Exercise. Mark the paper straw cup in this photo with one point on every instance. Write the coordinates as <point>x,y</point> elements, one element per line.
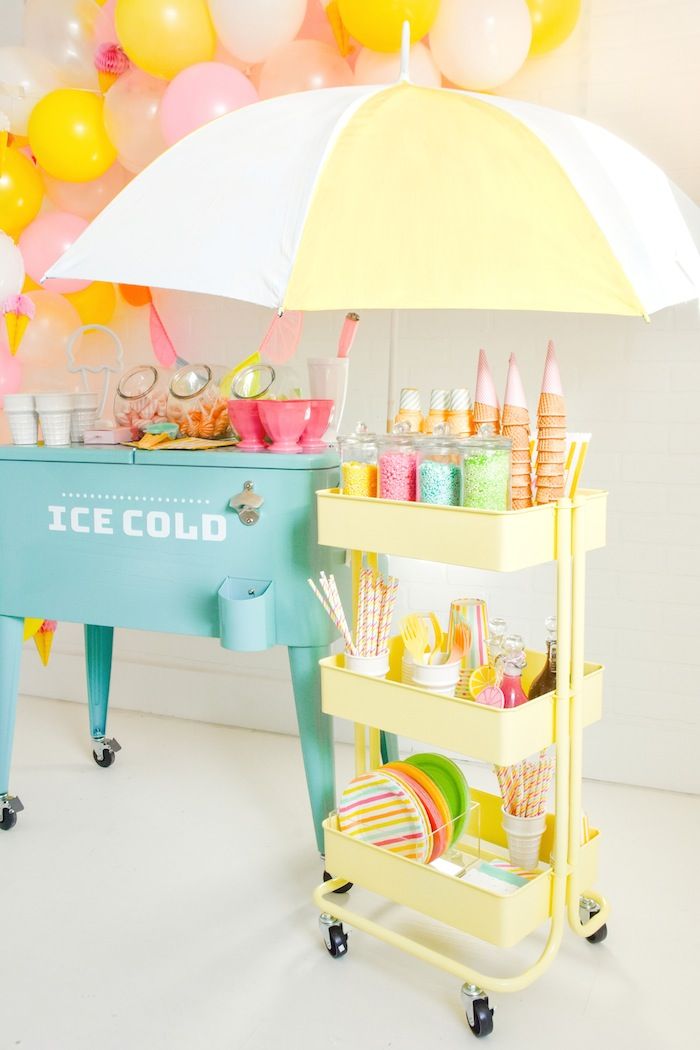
<point>55,414</point>
<point>438,678</point>
<point>524,835</point>
<point>373,666</point>
<point>84,414</point>
<point>21,415</point>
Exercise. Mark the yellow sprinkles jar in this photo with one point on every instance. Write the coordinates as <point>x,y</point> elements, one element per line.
<point>358,463</point>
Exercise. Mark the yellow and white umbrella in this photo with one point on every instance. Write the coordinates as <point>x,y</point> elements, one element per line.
<point>399,197</point>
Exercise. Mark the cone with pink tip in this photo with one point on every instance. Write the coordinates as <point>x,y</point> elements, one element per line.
<point>516,426</point>
<point>43,639</point>
<point>487,408</point>
<point>18,311</point>
<point>551,432</point>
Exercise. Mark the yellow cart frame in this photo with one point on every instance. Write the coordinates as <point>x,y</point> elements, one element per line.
<point>505,541</point>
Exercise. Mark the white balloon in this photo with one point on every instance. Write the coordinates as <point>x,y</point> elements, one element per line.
<point>252,31</point>
<point>25,77</point>
<point>63,32</point>
<point>131,117</point>
<point>378,67</point>
<point>11,267</point>
<point>480,44</point>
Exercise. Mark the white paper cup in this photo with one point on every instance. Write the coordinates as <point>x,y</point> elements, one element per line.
<point>438,678</point>
<point>524,836</point>
<point>373,666</point>
<point>55,411</point>
<point>84,415</point>
<point>21,415</point>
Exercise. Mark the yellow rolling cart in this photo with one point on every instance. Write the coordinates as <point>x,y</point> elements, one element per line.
<point>500,541</point>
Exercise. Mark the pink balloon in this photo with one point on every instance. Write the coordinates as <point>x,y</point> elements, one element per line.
<point>316,25</point>
<point>10,373</point>
<point>201,93</point>
<point>45,240</point>
<point>301,66</point>
<point>86,199</point>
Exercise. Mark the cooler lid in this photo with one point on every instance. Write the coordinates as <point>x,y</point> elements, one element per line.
<point>77,453</point>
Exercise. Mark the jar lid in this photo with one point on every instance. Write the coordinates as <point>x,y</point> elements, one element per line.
<point>137,382</point>
<point>253,382</point>
<point>486,437</point>
<point>360,437</point>
<point>190,381</point>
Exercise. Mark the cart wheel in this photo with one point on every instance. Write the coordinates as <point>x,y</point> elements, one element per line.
<point>341,889</point>
<point>483,1019</point>
<point>107,759</point>
<point>599,936</point>
<point>338,939</point>
<point>9,819</point>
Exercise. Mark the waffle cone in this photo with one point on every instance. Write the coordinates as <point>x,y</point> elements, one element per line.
<point>521,504</point>
<point>521,455</point>
<point>548,457</point>
<point>549,495</point>
<point>551,405</point>
<point>547,433</point>
<point>553,481</point>
<point>552,445</point>
<point>548,470</point>
<point>513,415</point>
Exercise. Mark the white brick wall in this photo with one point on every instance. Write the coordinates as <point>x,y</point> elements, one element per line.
<point>632,66</point>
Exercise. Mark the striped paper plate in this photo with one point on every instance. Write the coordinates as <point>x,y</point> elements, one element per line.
<point>378,809</point>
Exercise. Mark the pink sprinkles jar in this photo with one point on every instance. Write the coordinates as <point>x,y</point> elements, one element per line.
<point>398,462</point>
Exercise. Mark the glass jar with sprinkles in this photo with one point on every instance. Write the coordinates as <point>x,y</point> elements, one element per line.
<point>398,461</point>
<point>440,470</point>
<point>358,462</point>
<point>486,471</point>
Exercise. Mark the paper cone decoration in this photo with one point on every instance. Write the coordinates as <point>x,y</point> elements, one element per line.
<point>342,37</point>
<point>110,63</point>
<point>43,643</point>
<point>4,136</point>
<point>551,432</point>
<point>487,408</point>
<point>227,382</point>
<point>18,311</point>
<point>31,626</point>
<point>160,341</point>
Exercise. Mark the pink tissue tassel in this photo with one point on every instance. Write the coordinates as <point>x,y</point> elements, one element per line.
<point>347,334</point>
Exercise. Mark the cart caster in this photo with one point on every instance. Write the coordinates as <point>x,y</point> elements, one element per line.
<point>105,751</point>
<point>587,909</point>
<point>341,889</point>
<point>479,1013</point>
<point>334,936</point>
<point>10,806</point>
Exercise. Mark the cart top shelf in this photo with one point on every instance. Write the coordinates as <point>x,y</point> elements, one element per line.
<point>502,541</point>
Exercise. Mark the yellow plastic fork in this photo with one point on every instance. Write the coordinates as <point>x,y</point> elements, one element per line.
<point>415,637</point>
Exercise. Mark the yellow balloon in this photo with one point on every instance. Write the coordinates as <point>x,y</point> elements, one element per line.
<point>96,303</point>
<point>552,22</point>
<point>21,192</point>
<point>378,25</point>
<point>67,135</point>
<point>163,37</point>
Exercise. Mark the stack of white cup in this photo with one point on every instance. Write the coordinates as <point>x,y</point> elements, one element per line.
<point>55,411</point>
<point>21,414</point>
<point>84,414</point>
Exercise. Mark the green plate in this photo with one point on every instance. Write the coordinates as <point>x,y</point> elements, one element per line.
<point>450,779</point>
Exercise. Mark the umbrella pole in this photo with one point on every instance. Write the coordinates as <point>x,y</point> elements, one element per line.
<point>393,363</point>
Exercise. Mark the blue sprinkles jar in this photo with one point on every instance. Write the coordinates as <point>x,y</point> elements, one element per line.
<point>440,470</point>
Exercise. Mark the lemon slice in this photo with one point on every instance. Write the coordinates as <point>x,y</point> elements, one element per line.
<point>480,678</point>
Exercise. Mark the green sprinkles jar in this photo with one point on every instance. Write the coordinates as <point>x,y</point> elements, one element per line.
<point>486,471</point>
<point>440,472</point>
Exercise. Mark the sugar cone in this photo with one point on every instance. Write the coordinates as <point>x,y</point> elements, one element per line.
<point>43,641</point>
<point>16,326</point>
<point>106,80</point>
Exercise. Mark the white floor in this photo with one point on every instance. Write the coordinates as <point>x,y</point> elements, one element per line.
<point>164,903</point>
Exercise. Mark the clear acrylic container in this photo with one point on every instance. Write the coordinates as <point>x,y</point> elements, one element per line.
<point>358,462</point>
<point>486,471</point>
<point>141,397</point>
<point>440,471</point>
<point>398,465</point>
<point>196,403</point>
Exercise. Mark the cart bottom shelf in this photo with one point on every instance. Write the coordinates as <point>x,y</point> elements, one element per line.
<point>500,920</point>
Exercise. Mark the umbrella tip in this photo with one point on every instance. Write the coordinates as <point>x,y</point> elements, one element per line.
<point>405,52</point>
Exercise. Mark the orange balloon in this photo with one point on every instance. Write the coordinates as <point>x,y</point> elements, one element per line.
<point>136,294</point>
<point>96,303</point>
<point>30,285</point>
<point>21,192</point>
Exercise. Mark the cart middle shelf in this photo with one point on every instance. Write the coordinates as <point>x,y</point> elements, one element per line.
<point>464,726</point>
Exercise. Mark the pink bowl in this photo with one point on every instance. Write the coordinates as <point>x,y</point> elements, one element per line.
<point>321,409</point>
<point>245,419</point>
<point>284,422</point>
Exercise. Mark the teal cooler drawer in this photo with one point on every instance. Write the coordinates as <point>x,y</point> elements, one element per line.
<point>149,545</point>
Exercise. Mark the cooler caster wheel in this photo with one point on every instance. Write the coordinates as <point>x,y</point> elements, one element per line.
<point>599,936</point>
<point>9,808</point>
<point>334,936</point>
<point>341,889</point>
<point>105,752</point>
<point>479,1013</point>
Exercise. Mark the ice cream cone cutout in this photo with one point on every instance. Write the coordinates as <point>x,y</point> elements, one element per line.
<point>43,639</point>
<point>110,63</point>
<point>18,311</point>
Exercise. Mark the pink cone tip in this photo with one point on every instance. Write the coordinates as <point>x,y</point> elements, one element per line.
<point>515,391</point>
<point>21,305</point>
<point>110,58</point>
<point>551,380</point>
<point>485,387</point>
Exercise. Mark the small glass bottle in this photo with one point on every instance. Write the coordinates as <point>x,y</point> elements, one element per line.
<point>460,414</point>
<point>358,462</point>
<point>546,680</point>
<point>409,414</point>
<point>497,632</point>
<point>196,404</point>
<point>487,460</point>
<point>397,464</point>
<point>512,663</point>
<point>440,470</point>
<point>141,397</point>
<point>437,413</point>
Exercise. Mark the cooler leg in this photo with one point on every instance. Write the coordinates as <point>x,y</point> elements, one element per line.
<point>11,634</point>
<point>316,732</point>
<point>98,665</point>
